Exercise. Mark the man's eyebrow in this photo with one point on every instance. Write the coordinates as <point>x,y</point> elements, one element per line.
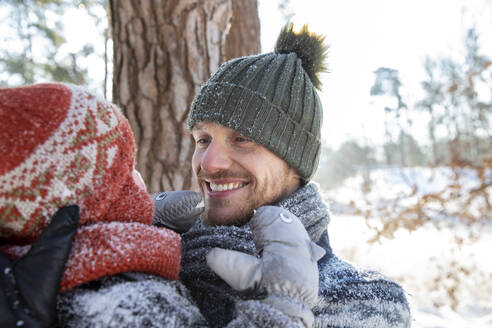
<point>199,127</point>
<point>237,134</point>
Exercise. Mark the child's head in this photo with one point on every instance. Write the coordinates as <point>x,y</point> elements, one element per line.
<point>60,145</point>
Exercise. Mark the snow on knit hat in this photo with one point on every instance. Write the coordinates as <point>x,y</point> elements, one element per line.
<point>61,145</point>
<point>271,98</point>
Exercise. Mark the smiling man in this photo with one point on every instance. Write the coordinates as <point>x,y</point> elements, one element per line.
<point>260,254</point>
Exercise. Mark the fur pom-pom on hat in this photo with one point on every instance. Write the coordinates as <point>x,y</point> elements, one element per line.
<point>308,46</point>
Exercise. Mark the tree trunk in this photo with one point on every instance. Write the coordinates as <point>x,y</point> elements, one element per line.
<point>163,52</point>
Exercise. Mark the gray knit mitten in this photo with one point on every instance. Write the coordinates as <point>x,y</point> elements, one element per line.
<point>287,269</point>
<point>176,210</point>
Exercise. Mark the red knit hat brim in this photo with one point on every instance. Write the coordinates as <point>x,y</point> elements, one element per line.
<point>104,249</point>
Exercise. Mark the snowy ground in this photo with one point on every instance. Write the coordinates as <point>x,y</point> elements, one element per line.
<point>436,272</point>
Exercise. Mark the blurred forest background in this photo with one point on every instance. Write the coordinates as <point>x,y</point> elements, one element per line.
<point>417,209</point>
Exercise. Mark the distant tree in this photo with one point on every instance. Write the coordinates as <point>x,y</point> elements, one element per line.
<point>432,98</point>
<point>387,83</point>
<point>415,155</point>
<point>163,52</point>
<point>458,98</point>
<point>477,92</point>
<point>33,31</point>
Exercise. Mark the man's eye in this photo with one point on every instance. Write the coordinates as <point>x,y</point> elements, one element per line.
<point>242,139</point>
<point>202,142</point>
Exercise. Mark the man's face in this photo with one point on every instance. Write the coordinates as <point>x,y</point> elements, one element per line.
<point>237,175</point>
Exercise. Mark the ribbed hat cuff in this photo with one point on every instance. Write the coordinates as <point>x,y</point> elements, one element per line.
<point>230,105</point>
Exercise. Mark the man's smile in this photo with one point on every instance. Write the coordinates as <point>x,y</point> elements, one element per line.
<point>216,188</point>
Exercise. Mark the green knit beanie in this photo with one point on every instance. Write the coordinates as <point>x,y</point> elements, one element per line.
<point>271,98</point>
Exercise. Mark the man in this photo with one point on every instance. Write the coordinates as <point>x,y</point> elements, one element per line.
<point>256,124</point>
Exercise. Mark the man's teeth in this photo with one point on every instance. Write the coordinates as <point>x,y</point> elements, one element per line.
<point>226,186</point>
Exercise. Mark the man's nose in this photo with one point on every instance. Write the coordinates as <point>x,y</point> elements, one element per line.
<point>216,158</point>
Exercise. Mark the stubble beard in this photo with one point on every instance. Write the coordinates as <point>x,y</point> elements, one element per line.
<point>242,212</point>
<point>240,216</point>
<point>244,209</point>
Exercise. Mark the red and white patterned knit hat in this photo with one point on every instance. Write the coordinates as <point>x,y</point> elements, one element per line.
<point>60,145</point>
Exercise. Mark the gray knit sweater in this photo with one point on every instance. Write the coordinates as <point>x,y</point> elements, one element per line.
<point>347,298</point>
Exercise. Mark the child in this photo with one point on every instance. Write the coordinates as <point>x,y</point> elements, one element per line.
<point>60,145</point>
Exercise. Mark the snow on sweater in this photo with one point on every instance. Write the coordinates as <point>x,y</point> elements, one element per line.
<point>347,298</point>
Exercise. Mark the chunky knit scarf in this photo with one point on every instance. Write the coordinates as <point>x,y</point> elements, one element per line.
<point>214,297</point>
<point>307,205</point>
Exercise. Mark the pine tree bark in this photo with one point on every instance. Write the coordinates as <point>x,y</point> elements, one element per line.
<point>163,52</point>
